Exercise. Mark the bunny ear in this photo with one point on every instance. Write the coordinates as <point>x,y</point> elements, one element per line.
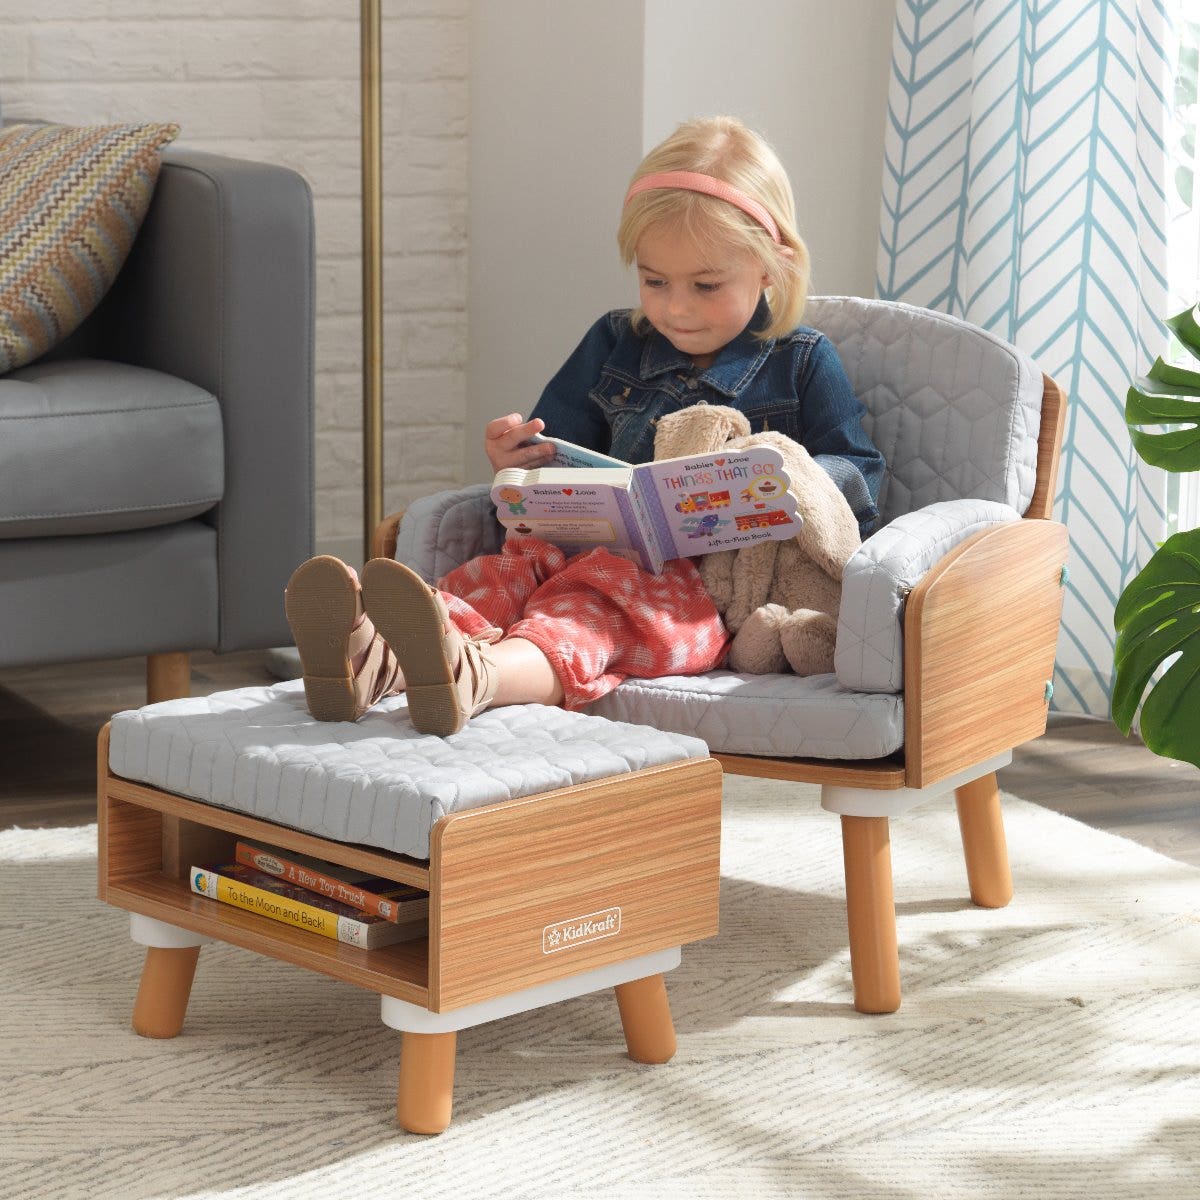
<point>700,429</point>
<point>735,423</point>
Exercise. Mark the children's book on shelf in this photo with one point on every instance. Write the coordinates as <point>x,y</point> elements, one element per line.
<point>653,512</point>
<point>371,894</point>
<point>269,896</point>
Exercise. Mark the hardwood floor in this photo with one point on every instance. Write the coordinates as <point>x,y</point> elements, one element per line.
<point>49,717</point>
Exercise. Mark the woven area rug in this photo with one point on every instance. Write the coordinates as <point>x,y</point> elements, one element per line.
<point>1049,1049</point>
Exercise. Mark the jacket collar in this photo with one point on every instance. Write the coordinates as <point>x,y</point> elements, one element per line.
<point>734,368</point>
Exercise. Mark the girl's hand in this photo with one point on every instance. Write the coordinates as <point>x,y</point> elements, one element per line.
<point>503,438</point>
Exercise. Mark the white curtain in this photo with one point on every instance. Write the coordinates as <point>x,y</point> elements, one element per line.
<point>1025,190</point>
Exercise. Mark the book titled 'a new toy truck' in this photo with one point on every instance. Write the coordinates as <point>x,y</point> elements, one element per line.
<point>653,512</point>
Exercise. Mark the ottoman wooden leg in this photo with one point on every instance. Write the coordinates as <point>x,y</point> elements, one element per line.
<point>426,1095</point>
<point>871,914</point>
<point>163,993</point>
<point>646,1019</point>
<point>984,844</point>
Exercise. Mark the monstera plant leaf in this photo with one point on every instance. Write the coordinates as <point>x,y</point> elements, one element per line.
<point>1158,617</point>
<point>1168,395</point>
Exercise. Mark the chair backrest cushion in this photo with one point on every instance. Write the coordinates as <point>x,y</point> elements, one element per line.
<point>954,410</point>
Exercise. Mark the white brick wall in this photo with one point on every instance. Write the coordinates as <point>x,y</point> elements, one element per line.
<point>277,80</point>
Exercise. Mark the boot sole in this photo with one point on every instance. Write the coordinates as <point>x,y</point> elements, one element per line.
<point>407,614</point>
<point>321,605</point>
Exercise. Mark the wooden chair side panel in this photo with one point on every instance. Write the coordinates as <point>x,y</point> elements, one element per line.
<point>980,633</point>
<point>526,892</point>
<point>383,540</point>
<point>1050,437</point>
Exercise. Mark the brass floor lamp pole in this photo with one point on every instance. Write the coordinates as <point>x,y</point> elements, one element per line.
<point>372,268</point>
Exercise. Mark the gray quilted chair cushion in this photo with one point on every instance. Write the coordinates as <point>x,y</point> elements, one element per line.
<point>956,413</point>
<point>955,410</point>
<point>445,530</point>
<point>869,654</point>
<point>778,715</point>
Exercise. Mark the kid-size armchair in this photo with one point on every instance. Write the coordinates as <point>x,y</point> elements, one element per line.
<point>948,621</point>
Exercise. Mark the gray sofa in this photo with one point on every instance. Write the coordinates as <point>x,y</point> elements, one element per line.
<point>156,470</point>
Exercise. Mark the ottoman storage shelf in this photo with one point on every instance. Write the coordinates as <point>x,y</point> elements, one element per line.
<point>532,897</point>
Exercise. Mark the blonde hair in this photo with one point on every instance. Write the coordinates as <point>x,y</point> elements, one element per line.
<point>727,150</point>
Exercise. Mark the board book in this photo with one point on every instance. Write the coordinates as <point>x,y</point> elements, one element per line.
<point>368,893</point>
<point>652,512</point>
<point>271,897</point>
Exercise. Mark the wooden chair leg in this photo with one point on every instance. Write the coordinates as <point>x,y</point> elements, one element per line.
<point>871,914</point>
<point>163,993</point>
<point>168,676</point>
<point>646,1019</point>
<point>426,1096</point>
<point>984,843</point>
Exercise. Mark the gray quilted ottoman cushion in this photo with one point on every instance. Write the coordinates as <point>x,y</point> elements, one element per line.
<point>375,781</point>
<point>781,716</point>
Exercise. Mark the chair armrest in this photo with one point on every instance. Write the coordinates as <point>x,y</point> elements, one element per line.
<point>869,652</point>
<point>218,290</point>
<point>440,532</point>
<point>980,632</point>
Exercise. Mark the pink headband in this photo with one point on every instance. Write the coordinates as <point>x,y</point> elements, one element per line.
<point>693,181</point>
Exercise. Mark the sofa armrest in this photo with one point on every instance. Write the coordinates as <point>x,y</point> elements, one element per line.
<point>980,634</point>
<point>440,532</point>
<point>869,652</point>
<point>218,290</point>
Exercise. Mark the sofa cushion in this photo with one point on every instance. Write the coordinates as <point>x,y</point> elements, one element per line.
<point>71,203</point>
<point>88,446</point>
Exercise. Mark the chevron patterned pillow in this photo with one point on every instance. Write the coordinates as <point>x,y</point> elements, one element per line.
<point>71,203</point>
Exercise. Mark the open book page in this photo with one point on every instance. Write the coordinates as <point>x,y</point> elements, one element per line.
<point>576,508</point>
<point>568,454</point>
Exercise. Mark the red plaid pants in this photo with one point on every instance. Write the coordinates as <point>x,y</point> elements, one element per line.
<point>598,618</point>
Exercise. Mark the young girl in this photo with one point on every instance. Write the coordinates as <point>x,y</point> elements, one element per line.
<point>709,221</point>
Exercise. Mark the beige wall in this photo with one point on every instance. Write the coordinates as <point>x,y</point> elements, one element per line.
<point>565,98</point>
<point>556,119</point>
<point>812,77</point>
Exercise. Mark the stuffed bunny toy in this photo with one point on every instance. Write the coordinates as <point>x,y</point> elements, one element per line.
<point>778,598</point>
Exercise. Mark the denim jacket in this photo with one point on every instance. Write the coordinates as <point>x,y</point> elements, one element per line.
<point>616,385</point>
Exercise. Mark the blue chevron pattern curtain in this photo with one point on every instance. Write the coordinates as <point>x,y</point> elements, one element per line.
<point>1025,191</point>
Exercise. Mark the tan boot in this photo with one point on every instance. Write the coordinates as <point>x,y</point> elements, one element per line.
<point>448,677</point>
<point>323,601</point>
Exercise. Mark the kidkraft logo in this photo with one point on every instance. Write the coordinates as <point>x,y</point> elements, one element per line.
<point>563,935</point>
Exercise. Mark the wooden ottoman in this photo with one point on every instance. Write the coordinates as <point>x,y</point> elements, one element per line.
<point>562,854</point>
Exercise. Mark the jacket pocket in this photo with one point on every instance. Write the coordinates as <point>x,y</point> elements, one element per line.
<point>630,411</point>
<point>781,413</point>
